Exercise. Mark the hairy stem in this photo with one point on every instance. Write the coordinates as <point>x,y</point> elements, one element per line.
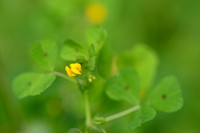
<point>87,109</point>
<point>123,113</point>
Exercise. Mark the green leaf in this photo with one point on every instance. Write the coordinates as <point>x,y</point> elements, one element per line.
<point>92,50</point>
<point>44,53</point>
<point>104,62</point>
<point>29,84</point>
<point>167,95</point>
<point>96,36</point>
<point>72,51</point>
<point>144,60</point>
<point>124,86</point>
<point>141,116</point>
<point>91,63</point>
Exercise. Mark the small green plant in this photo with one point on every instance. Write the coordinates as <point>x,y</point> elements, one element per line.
<point>129,79</point>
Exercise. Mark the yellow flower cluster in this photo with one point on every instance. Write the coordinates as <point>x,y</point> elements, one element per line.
<point>96,13</point>
<point>74,70</point>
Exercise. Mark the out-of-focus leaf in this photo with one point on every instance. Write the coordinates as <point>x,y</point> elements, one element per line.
<point>44,53</point>
<point>104,62</point>
<point>92,62</point>
<point>29,84</point>
<point>167,95</point>
<point>92,50</point>
<point>143,115</point>
<point>124,86</point>
<point>96,36</point>
<point>144,60</point>
<point>72,51</point>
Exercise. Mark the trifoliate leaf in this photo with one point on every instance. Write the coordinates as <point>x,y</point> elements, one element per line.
<point>29,84</point>
<point>167,95</point>
<point>143,115</point>
<point>96,36</point>
<point>44,53</point>
<point>124,86</point>
<point>144,60</point>
<point>72,51</point>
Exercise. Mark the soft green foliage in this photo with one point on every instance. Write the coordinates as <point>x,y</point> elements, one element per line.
<point>92,62</point>
<point>74,130</point>
<point>104,62</point>
<point>137,69</point>
<point>144,114</point>
<point>44,53</point>
<point>72,51</point>
<point>29,84</point>
<point>92,50</point>
<point>144,60</point>
<point>124,86</point>
<point>96,36</point>
<point>167,95</point>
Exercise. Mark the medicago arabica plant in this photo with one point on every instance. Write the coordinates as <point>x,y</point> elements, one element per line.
<point>130,82</point>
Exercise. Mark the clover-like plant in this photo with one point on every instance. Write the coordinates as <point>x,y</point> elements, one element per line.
<point>133,74</point>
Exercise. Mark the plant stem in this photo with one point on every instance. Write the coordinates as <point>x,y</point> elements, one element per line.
<point>123,113</point>
<point>87,109</point>
<point>63,76</point>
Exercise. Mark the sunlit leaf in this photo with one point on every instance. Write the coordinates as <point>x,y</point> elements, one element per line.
<point>44,53</point>
<point>167,95</point>
<point>143,115</point>
<point>29,84</point>
<point>72,51</point>
<point>144,60</point>
<point>96,36</point>
<point>124,86</point>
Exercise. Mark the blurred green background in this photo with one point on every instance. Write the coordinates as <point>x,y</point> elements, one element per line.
<point>170,27</point>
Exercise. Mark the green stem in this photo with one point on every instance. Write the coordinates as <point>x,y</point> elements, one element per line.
<point>87,109</point>
<point>63,76</point>
<point>123,113</point>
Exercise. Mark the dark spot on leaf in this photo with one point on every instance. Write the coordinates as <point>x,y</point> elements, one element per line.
<point>29,83</point>
<point>164,96</point>
<point>98,42</point>
<point>45,54</point>
<point>140,117</point>
<point>76,50</point>
<point>127,87</point>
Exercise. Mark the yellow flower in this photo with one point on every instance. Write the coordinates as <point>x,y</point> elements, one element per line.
<point>74,70</point>
<point>96,13</point>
